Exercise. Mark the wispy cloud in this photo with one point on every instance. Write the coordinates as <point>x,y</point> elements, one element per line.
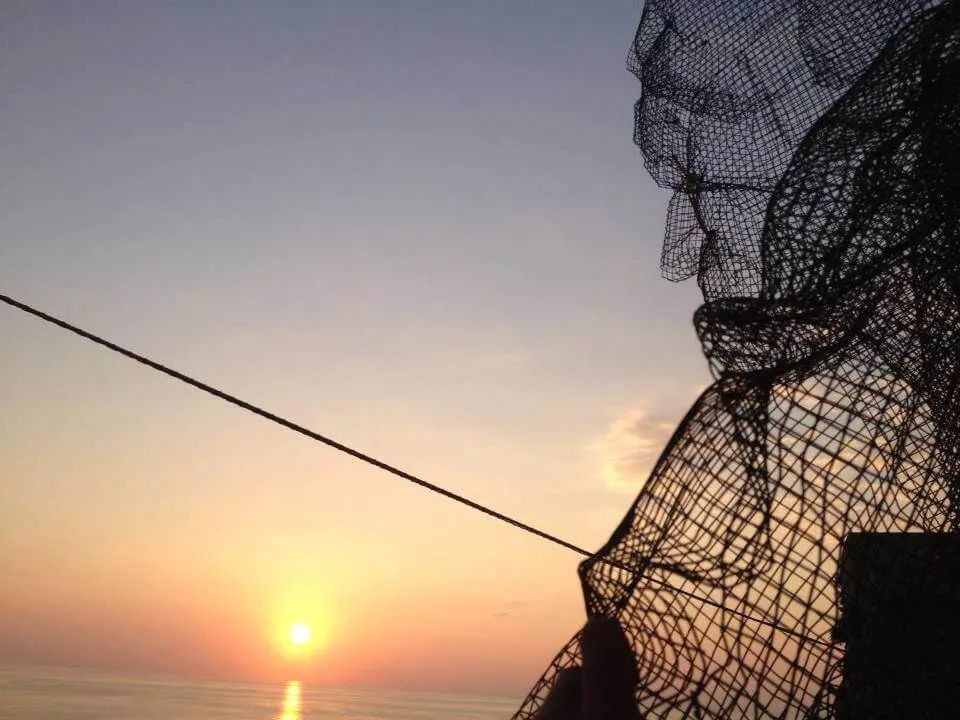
<point>511,607</point>
<point>630,447</point>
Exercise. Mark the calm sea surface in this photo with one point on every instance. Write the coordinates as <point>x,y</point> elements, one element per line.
<point>68,694</point>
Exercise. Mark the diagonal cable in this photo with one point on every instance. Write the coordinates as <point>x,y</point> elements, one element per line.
<point>369,459</point>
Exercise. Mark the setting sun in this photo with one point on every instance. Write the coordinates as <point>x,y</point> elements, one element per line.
<point>301,621</point>
<point>300,633</point>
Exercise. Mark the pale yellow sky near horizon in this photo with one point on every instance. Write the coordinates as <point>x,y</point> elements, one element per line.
<point>418,228</point>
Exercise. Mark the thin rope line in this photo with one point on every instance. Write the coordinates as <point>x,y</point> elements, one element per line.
<point>289,424</point>
<point>369,459</point>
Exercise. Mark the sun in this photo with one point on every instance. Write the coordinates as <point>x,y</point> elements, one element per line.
<point>300,628</point>
<point>300,634</point>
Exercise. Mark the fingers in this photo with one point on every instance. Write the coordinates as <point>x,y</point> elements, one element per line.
<point>603,689</point>
<point>563,702</point>
<point>609,674</point>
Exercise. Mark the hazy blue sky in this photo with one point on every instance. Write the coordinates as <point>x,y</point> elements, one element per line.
<point>420,227</point>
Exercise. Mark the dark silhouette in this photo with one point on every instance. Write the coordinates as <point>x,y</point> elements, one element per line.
<point>602,689</point>
<point>813,148</point>
<point>899,602</point>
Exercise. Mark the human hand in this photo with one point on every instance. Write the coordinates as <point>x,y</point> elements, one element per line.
<point>603,688</point>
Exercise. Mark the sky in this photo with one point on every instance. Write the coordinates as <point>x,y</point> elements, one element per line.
<point>418,227</point>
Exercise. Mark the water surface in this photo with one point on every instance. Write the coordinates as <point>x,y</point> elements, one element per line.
<point>73,694</point>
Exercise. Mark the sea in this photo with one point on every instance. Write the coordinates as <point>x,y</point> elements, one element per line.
<point>41,693</point>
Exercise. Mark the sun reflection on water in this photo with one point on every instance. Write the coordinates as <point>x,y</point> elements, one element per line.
<point>291,702</point>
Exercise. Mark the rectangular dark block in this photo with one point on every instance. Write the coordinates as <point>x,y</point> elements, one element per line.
<point>900,619</point>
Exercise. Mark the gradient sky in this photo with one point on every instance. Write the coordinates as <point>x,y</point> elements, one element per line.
<point>419,227</point>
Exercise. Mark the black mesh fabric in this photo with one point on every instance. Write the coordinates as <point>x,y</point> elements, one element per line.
<point>813,149</point>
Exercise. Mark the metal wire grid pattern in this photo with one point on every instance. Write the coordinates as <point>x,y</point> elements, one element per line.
<point>815,182</point>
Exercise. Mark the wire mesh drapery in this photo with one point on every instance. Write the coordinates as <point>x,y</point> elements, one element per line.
<point>813,150</point>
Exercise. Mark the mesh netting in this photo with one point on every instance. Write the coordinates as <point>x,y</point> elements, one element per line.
<point>813,149</point>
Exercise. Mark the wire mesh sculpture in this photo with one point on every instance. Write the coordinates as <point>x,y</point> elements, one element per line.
<point>813,148</point>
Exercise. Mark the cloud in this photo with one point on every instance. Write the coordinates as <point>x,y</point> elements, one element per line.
<point>510,607</point>
<point>628,450</point>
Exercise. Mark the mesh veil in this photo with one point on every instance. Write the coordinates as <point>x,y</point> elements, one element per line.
<point>813,149</point>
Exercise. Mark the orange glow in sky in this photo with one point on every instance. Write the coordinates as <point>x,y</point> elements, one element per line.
<point>426,233</point>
